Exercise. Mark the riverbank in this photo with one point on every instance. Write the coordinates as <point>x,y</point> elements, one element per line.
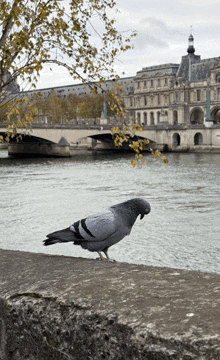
<point>61,307</point>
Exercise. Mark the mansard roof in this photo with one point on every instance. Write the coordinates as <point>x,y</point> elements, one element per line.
<point>185,67</point>
<point>164,69</point>
<point>202,70</point>
<point>192,68</point>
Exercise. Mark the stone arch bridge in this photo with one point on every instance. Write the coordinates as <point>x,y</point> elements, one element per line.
<point>62,140</point>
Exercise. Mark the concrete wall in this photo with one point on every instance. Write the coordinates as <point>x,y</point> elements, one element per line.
<point>56,307</point>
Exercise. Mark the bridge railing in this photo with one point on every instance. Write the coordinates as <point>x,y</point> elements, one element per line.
<point>110,126</point>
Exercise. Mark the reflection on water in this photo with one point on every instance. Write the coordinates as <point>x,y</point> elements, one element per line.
<point>39,196</point>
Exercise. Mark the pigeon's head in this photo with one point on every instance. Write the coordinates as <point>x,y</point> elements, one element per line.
<point>144,207</point>
<point>138,206</point>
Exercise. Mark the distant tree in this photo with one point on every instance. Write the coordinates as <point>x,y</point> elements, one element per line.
<point>71,108</point>
<point>54,107</point>
<point>91,106</point>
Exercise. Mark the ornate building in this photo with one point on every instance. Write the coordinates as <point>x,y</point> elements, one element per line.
<point>177,93</point>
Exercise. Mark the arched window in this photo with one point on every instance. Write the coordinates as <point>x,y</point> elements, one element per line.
<point>197,116</point>
<point>158,117</point>
<point>215,115</point>
<point>145,118</point>
<point>152,118</point>
<point>139,118</point>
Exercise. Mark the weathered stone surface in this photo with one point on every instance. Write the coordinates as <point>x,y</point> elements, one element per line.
<point>56,307</point>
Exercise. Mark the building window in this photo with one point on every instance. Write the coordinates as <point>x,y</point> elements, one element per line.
<point>166,81</point>
<point>158,82</point>
<point>165,99</point>
<point>218,93</point>
<point>158,117</point>
<point>198,95</point>
<point>139,118</point>
<point>152,118</point>
<point>145,118</point>
<point>177,97</point>
<point>138,84</point>
<point>145,100</point>
<point>175,117</point>
<point>158,99</point>
<point>131,102</point>
<point>145,83</point>
<point>151,83</point>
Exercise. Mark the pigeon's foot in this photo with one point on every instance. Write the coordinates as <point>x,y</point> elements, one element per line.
<point>102,258</point>
<point>105,259</point>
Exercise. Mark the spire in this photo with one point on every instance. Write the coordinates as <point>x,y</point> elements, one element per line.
<point>191,48</point>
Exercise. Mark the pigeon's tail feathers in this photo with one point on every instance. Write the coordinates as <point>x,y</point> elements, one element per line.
<point>60,236</point>
<point>51,241</point>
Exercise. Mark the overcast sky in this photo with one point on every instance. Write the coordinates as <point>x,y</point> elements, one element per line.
<point>163,29</point>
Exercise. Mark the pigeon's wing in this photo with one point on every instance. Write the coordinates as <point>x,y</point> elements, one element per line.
<point>95,228</point>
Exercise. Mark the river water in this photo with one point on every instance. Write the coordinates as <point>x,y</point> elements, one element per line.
<point>39,196</point>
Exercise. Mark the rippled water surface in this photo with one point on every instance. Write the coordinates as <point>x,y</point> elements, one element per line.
<point>39,196</point>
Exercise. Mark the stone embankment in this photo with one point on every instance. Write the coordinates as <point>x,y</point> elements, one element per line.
<point>56,307</point>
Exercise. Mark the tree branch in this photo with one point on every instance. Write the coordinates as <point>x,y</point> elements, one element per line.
<point>8,25</point>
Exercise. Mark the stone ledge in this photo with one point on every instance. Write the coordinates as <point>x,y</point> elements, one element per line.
<point>56,307</point>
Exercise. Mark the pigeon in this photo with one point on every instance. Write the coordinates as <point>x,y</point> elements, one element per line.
<point>100,231</point>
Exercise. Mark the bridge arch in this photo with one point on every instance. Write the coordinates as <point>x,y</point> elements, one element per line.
<point>109,140</point>
<point>24,145</point>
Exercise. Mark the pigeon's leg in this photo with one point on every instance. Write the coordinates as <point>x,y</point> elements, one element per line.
<point>106,254</point>
<point>101,257</point>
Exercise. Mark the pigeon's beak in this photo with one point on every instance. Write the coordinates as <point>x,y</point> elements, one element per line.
<point>145,213</point>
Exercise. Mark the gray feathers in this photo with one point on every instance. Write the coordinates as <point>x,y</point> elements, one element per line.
<point>100,231</point>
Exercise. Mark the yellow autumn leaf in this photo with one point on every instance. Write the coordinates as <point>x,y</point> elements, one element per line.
<point>165,160</point>
<point>134,162</point>
<point>157,153</point>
